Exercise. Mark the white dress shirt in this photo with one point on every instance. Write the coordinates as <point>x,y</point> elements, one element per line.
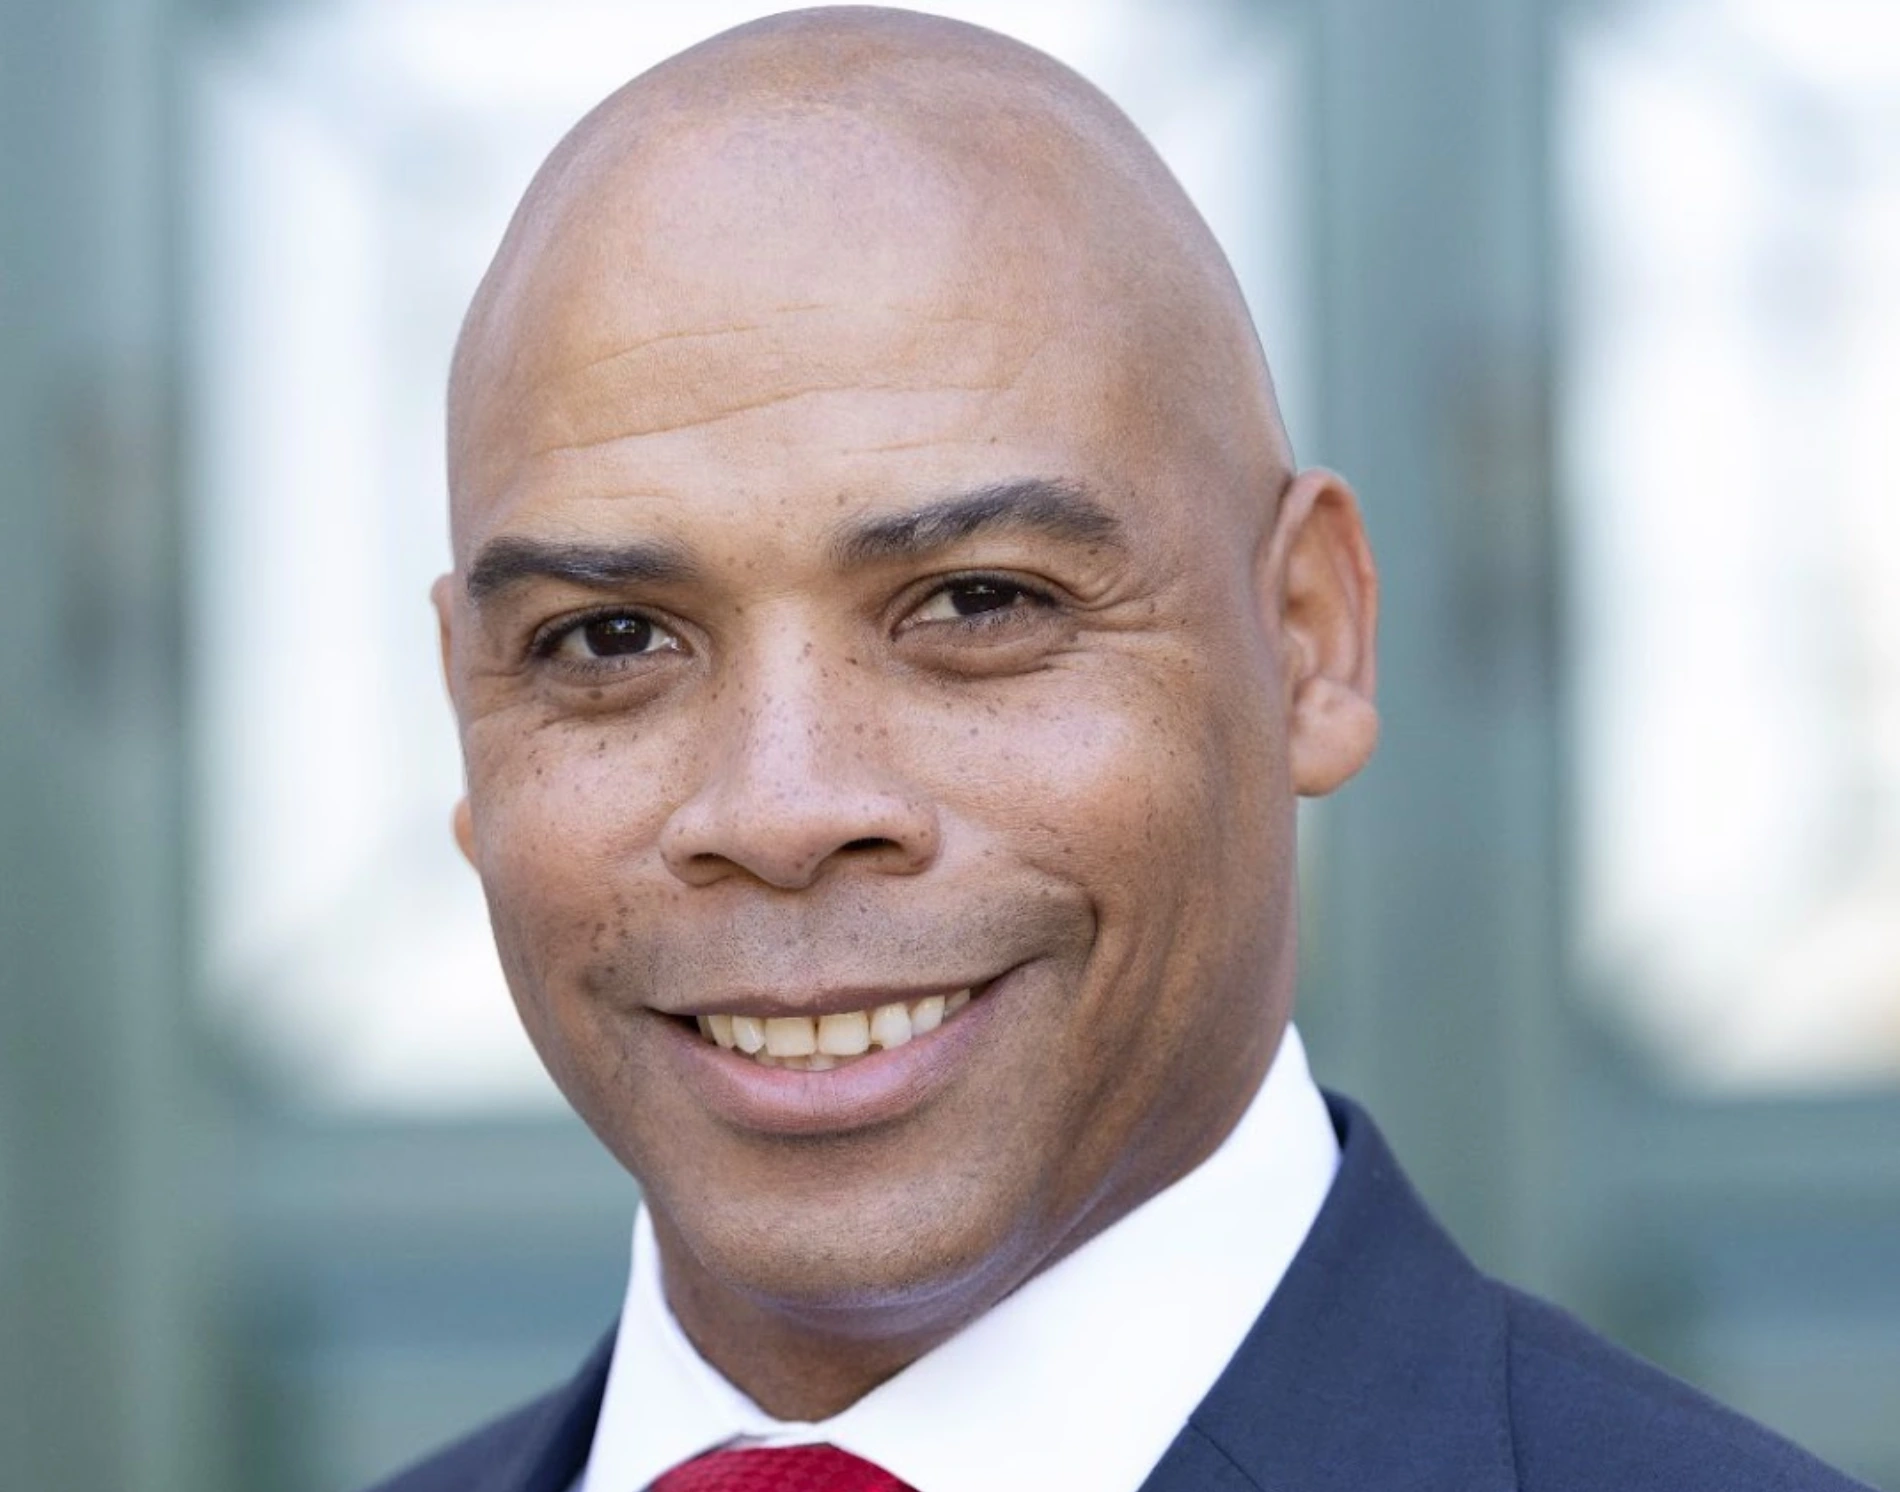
<point>1082,1378</point>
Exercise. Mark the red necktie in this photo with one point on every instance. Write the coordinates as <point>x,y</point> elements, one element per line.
<point>790,1468</point>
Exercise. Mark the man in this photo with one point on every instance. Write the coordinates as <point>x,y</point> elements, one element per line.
<point>889,635</point>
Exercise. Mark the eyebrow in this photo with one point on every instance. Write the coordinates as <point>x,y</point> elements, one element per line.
<point>504,563</point>
<point>1061,509</point>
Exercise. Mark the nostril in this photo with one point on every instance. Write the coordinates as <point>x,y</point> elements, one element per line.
<point>786,839</point>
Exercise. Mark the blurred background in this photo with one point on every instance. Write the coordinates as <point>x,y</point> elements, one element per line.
<point>1596,301</point>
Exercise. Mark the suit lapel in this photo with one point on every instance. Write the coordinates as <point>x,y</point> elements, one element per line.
<point>1380,1361</point>
<point>554,1447</point>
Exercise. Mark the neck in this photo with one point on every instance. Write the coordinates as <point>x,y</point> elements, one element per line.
<point>799,1364</point>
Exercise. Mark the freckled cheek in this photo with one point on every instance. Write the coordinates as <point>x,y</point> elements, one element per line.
<point>602,786</point>
<point>566,819</point>
<point>1108,787</point>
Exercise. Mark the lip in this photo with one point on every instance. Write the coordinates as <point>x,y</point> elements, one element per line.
<point>870,1090</point>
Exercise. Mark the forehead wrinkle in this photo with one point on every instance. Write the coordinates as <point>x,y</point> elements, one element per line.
<point>675,380</point>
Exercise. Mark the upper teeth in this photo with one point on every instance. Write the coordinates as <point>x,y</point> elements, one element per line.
<point>819,1042</point>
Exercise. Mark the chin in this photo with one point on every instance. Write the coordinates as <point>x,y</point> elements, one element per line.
<point>886,1259</point>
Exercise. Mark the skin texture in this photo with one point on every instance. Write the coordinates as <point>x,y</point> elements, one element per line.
<point>764,307</point>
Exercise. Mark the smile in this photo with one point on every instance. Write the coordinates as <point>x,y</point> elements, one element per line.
<point>818,1043</point>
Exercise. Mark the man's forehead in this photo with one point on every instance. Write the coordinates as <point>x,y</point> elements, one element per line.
<point>795,458</point>
<point>706,247</point>
<point>711,289</point>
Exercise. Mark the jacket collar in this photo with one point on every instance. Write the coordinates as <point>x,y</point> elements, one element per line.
<point>559,1429</point>
<point>1380,1361</point>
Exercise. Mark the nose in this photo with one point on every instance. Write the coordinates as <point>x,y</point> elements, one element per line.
<point>793,787</point>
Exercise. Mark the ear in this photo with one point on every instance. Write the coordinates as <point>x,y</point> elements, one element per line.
<point>1322,591</point>
<point>442,597</point>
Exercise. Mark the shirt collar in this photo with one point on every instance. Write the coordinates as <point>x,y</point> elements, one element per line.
<point>1081,1378</point>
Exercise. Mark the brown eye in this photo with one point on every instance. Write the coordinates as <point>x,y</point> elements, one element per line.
<point>621,634</point>
<point>977,596</point>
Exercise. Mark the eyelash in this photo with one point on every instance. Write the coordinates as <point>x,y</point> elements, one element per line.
<point>546,642</point>
<point>1034,595</point>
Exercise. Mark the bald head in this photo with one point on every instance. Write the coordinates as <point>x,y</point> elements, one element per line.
<point>851,164</point>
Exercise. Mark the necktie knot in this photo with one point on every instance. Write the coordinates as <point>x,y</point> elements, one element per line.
<point>790,1468</point>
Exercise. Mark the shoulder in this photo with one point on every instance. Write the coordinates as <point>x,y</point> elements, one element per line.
<point>539,1447</point>
<point>460,1466</point>
<point>1386,1358</point>
<point>1586,1414</point>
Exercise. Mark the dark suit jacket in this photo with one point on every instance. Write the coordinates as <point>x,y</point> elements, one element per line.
<point>1385,1361</point>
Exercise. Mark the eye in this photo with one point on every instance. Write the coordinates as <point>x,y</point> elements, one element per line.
<point>605,635</point>
<point>976,596</point>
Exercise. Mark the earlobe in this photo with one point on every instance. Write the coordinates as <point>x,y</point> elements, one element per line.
<point>462,823</point>
<point>1334,731</point>
<point>1326,592</point>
